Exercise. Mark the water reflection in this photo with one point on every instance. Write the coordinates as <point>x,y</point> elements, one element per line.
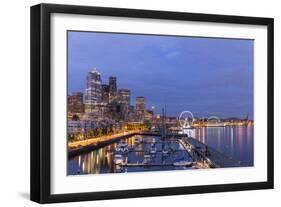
<point>234,141</point>
<point>102,160</point>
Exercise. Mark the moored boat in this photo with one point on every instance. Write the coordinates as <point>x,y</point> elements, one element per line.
<point>146,159</point>
<point>137,140</point>
<point>118,159</point>
<point>165,152</point>
<point>153,150</point>
<point>182,163</point>
<point>122,147</point>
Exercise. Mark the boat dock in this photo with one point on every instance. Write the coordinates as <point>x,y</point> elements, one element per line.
<point>141,164</point>
<point>148,152</point>
<point>201,152</point>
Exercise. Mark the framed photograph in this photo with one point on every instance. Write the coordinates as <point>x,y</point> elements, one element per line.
<point>132,103</point>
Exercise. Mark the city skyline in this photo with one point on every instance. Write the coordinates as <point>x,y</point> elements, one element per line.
<point>223,92</point>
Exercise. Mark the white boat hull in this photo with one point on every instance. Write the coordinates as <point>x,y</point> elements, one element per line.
<point>182,164</point>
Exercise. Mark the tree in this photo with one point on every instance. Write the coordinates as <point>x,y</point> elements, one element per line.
<point>75,117</point>
<point>99,132</point>
<point>91,133</point>
<point>108,130</point>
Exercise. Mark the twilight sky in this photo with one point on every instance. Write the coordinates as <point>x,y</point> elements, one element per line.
<point>208,76</point>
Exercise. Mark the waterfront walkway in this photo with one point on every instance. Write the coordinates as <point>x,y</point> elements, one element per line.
<point>83,146</point>
<point>98,140</point>
<point>200,151</point>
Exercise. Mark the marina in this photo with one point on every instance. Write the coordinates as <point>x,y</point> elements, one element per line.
<point>139,153</point>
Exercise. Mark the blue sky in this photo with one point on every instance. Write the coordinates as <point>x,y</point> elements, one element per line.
<point>208,76</point>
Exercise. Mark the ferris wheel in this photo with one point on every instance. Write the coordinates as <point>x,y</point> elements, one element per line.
<point>186,119</point>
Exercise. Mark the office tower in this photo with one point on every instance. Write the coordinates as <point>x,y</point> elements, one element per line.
<point>112,88</point>
<point>93,91</point>
<point>105,93</point>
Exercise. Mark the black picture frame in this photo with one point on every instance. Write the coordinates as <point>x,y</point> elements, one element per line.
<point>41,97</point>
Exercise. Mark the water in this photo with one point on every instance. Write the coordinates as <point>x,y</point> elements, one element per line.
<point>101,160</point>
<point>236,142</point>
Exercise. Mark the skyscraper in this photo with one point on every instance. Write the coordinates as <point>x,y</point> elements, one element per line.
<point>105,93</point>
<point>93,91</point>
<point>124,97</point>
<point>112,88</point>
<point>140,108</point>
<point>140,104</point>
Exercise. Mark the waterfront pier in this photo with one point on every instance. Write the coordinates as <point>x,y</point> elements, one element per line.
<point>201,152</point>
